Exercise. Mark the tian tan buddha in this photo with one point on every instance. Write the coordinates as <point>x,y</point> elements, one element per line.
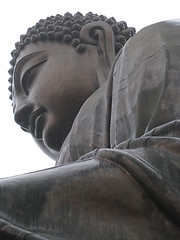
<point>104,103</point>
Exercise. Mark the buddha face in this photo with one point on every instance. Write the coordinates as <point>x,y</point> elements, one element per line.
<point>50,84</point>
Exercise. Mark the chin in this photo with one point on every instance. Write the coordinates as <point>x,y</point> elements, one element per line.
<point>49,152</point>
<point>52,138</point>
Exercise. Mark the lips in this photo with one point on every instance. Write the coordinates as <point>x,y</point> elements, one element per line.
<point>36,122</point>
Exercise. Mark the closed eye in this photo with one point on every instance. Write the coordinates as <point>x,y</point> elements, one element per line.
<point>29,75</point>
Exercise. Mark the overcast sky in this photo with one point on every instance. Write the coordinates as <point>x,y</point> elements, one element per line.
<point>19,154</point>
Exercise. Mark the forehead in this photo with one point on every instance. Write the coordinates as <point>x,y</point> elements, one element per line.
<point>47,48</point>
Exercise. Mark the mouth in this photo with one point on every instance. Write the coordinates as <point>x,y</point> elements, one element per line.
<point>36,122</point>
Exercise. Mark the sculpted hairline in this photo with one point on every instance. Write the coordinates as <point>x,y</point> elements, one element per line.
<point>67,29</point>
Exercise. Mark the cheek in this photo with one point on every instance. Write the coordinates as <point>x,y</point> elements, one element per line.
<point>41,96</point>
<point>44,87</point>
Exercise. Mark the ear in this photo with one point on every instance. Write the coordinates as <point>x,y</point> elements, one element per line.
<point>100,34</point>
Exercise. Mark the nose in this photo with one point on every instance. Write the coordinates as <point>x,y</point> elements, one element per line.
<point>22,114</point>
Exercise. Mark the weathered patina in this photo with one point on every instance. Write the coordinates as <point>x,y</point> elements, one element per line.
<point>109,114</point>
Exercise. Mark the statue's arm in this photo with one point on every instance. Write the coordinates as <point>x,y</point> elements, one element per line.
<point>94,197</point>
<point>70,198</point>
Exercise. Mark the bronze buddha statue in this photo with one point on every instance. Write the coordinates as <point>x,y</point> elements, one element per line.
<point>104,103</point>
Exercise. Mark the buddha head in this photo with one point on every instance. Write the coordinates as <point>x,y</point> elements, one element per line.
<point>56,66</point>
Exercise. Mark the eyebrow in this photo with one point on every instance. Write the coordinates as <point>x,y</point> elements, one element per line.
<point>28,71</point>
<point>27,57</point>
<point>24,60</point>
